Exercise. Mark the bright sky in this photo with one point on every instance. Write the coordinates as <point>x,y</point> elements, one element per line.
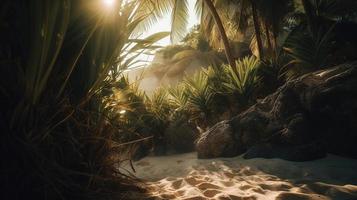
<point>165,25</point>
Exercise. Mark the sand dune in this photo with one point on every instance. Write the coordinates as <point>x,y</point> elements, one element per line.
<point>185,177</point>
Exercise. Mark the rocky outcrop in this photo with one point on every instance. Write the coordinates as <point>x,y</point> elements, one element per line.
<point>218,141</point>
<point>303,120</point>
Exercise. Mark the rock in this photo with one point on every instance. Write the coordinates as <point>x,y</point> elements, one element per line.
<point>180,136</point>
<point>217,142</point>
<point>317,108</point>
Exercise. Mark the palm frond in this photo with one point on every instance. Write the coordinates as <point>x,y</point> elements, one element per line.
<point>179,20</point>
<point>152,10</point>
<point>200,95</point>
<point>335,9</point>
<point>159,104</point>
<point>246,81</point>
<point>178,96</point>
<point>308,53</point>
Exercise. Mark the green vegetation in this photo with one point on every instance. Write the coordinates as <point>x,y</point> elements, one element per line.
<point>291,45</point>
<point>70,117</point>
<point>60,67</point>
<point>173,116</point>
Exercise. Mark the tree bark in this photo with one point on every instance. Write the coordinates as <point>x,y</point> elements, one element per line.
<point>268,38</point>
<point>257,30</point>
<point>275,42</point>
<point>311,15</point>
<point>223,34</point>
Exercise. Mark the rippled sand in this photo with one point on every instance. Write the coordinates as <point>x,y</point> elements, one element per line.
<point>185,177</point>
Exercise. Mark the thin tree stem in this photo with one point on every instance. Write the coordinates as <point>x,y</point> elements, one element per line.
<point>268,38</point>
<point>223,34</point>
<point>311,15</point>
<point>257,31</point>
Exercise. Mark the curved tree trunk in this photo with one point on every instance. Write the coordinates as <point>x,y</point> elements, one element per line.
<point>275,42</point>
<point>223,34</point>
<point>257,30</point>
<point>311,15</point>
<point>268,39</point>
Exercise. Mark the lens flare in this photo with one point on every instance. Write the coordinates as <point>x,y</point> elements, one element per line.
<point>109,3</point>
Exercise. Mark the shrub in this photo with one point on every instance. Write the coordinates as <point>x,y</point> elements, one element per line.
<point>200,98</point>
<point>57,119</point>
<point>243,85</point>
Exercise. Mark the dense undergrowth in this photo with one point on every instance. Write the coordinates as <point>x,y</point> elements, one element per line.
<point>69,117</point>
<point>173,115</point>
<point>59,60</point>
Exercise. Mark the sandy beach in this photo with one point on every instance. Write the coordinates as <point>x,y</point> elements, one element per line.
<point>185,177</point>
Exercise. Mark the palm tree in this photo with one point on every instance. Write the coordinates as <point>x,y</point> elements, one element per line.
<point>223,34</point>
<point>310,13</point>
<point>179,9</point>
<point>257,29</point>
<point>244,11</point>
<point>313,42</point>
<point>241,12</point>
<point>327,9</point>
<point>272,13</point>
<point>267,17</point>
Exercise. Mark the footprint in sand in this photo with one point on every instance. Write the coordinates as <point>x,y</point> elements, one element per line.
<point>167,196</point>
<point>177,184</point>
<point>233,197</point>
<point>227,183</point>
<point>205,186</point>
<point>245,187</point>
<point>196,198</point>
<point>193,181</point>
<point>229,174</point>
<point>297,196</point>
<point>258,190</point>
<point>211,193</point>
<point>224,198</point>
<point>276,186</point>
<point>180,193</point>
<point>207,179</point>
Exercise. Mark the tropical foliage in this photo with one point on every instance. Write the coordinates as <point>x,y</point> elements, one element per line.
<point>283,37</point>
<point>60,69</point>
<point>243,84</point>
<point>69,116</point>
<point>314,39</point>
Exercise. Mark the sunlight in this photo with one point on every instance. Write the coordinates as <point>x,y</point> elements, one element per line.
<point>109,3</point>
<point>164,24</point>
<point>178,99</point>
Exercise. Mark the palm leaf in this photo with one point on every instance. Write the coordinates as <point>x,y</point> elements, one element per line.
<point>245,82</point>
<point>179,20</point>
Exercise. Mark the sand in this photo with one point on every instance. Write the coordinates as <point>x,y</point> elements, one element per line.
<point>185,177</point>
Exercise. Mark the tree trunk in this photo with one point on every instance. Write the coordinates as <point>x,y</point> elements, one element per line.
<point>223,34</point>
<point>268,38</point>
<point>257,30</point>
<point>311,15</point>
<point>275,42</point>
